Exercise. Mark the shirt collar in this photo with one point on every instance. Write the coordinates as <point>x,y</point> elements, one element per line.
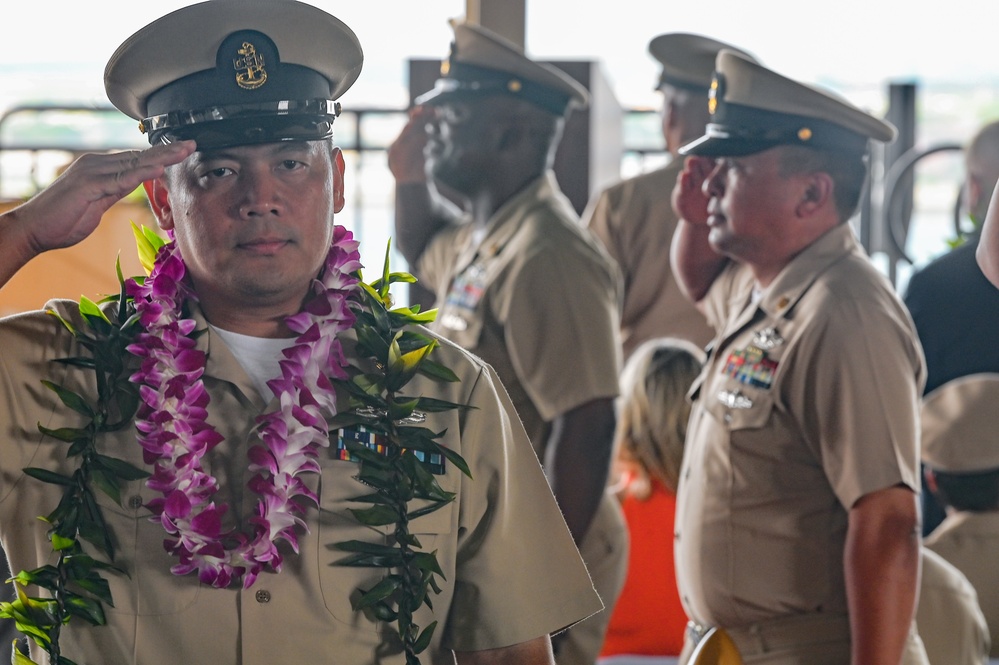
<point>802,271</point>
<point>220,363</point>
<point>506,220</point>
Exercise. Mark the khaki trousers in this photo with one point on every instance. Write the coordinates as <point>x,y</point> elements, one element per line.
<point>605,551</point>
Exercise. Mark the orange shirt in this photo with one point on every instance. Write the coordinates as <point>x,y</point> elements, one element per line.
<point>648,618</point>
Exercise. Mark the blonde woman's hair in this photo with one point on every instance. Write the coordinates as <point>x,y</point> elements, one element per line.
<point>652,414</point>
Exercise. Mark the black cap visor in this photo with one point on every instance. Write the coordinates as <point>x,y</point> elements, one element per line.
<point>464,80</point>
<point>741,130</point>
<point>719,142</point>
<point>246,124</point>
<point>445,90</point>
<point>668,79</point>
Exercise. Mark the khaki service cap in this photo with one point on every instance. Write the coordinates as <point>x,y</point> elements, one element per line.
<point>754,109</point>
<point>483,63</point>
<point>688,60</point>
<point>960,425</point>
<point>233,72</point>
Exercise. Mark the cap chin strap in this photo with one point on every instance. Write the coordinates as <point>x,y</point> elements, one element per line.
<point>467,79</point>
<point>742,130</point>
<point>260,122</point>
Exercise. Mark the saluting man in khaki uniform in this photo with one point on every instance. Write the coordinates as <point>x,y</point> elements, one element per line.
<point>634,219</point>
<point>239,98</point>
<point>797,515</point>
<point>518,281</point>
<point>961,458</point>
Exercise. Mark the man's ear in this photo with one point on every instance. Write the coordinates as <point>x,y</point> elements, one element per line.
<point>816,194</point>
<point>159,201</point>
<point>671,114</point>
<point>338,180</point>
<point>973,190</point>
<point>672,131</point>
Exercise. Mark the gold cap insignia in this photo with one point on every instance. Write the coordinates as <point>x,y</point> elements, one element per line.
<point>715,92</point>
<point>249,66</point>
<point>452,54</point>
<point>514,85</point>
<point>804,134</point>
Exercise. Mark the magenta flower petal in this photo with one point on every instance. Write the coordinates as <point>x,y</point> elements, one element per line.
<point>207,523</point>
<point>178,505</point>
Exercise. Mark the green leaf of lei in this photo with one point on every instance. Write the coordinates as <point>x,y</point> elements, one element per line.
<point>398,353</point>
<point>384,342</point>
<point>148,243</point>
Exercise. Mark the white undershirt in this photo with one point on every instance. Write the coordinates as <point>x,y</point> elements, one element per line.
<point>260,357</point>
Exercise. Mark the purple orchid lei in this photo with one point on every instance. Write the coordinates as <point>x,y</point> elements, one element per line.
<point>175,435</point>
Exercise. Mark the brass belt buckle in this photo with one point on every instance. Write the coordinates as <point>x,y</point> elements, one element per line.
<point>714,648</point>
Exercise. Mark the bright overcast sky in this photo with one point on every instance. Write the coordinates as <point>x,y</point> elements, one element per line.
<point>860,42</point>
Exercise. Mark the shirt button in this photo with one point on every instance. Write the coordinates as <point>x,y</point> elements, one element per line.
<point>135,502</point>
<point>263,596</point>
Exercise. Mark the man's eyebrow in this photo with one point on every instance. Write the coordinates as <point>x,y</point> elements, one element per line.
<point>214,154</point>
<point>291,146</point>
<point>234,153</point>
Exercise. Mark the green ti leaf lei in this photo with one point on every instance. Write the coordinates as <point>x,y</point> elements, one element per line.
<point>398,353</point>
<point>390,345</point>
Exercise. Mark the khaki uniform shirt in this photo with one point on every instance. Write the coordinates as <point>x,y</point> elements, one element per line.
<point>950,622</point>
<point>808,401</point>
<point>536,298</point>
<point>970,541</point>
<point>501,586</point>
<point>635,222</point>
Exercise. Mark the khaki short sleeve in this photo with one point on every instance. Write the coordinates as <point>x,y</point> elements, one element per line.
<point>562,330</point>
<point>602,219</point>
<point>519,575</point>
<point>635,222</point>
<point>858,389</point>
